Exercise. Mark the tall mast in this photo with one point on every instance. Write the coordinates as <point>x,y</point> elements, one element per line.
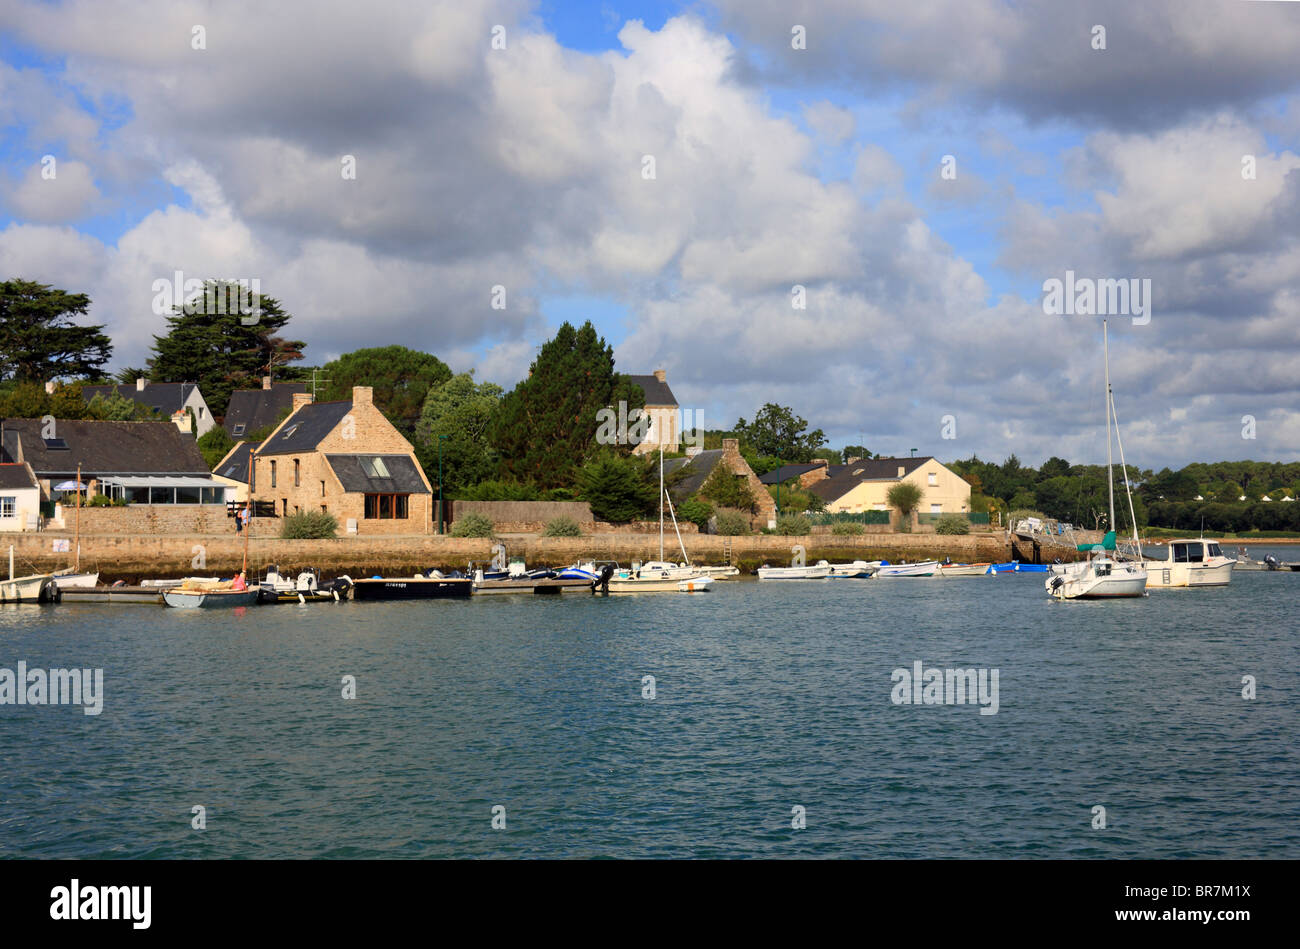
<point>1110,470</point>
<point>248,528</point>
<point>661,503</point>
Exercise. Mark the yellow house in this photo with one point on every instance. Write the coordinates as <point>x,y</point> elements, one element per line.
<point>863,485</point>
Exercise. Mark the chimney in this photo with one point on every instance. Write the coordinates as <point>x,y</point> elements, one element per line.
<point>363,395</point>
<point>851,459</point>
<point>661,375</point>
<point>266,382</point>
<point>902,472</point>
<point>730,447</point>
<point>300,399</point>
<point>819,461</point>
<point>139,385</point>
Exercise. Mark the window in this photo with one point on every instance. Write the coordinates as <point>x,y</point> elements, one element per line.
<point>8,506</point>
<point>936,508</point>
<point>297,473</point>
<point>375,467</point>
<point>934,479</point>
<point>55,444</point>
<point>273,474</point>
<point>239,429</point>
<point>322,489</point>
<point>1215,550</point>
<point>387,506</point>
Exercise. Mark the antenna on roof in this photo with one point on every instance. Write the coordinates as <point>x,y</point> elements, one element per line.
<point>913,450</point>
<point>313,383</point>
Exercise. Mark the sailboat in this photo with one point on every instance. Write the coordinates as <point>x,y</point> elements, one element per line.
<point>72,577</point>
<point>659,576</point>
<point>202,593</point>
<point>34,588</point>
<point>1104,575</point>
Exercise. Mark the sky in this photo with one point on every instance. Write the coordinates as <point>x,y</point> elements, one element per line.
<point>854,208</point>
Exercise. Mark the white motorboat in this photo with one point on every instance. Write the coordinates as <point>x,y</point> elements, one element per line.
<point>964,569</point>
<point>1190,563</point>
<point>858,570</point>
<point>1104,575</point>
<point>76,581</point>
<point>818,571</point>
<point>924,568</point>
<point>718,573</point>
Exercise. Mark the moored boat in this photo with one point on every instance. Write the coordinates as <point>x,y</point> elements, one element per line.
<point>1195,562</point>
<point>307,587</point>
<point>821,570</point>
<point>964,569</point>
<point>858,570</point>
<point>922,568</point>
<point>33,588</point>
<point>208,597</point>
<point>427,586</point>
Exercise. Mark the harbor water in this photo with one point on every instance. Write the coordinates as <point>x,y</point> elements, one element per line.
<point>772,705</point>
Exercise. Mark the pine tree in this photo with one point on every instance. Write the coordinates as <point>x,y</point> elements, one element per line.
<point>39,342</point>
<point>546,427</point>
<point>618,487</point>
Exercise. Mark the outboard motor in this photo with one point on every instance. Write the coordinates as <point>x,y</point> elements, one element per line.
<point>602,581</point>
<point>1271,561</point>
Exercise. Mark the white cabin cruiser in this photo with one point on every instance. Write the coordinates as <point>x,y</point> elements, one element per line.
<point>818,571</point>
<point>1190,563</point>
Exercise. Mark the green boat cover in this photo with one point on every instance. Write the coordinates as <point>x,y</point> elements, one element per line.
<point>1107,543</point>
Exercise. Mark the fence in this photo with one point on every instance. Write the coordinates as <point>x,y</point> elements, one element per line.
<point>855,517</point>
<point>260,508</point>
<point>976,517</point>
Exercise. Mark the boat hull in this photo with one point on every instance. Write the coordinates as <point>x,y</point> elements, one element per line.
<point>145,596</point>
<point>415,588</point>
<point>818,572</point>
<point>76,581</point>
<point>1123,581</point>
<point>1162,574</point>
<point>210,599</point>
<point>964,569</point>
<point>543,587</point>
<point>40,588</point>
<point>924,569</point>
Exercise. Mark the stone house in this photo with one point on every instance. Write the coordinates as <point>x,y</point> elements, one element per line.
<point>168,400</point>
<point>347,459</point>
<point>661,408</point>
<point>696,467</point>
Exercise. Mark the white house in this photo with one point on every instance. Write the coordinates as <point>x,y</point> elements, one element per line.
<point>20,497</point>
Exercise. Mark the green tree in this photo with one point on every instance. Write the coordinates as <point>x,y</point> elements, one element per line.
<point>402,379</point>
<point>119,408</point>
<point>462,411</point>
<point>619,488</point>
<point>856,451</point>
<point>726,489</point>
<point>214,445</point>
<point>904,497</point>
<point>39,341</point>
<point>30,400</point>
<point>217,350</point>
<point>1054,467</point>
<point>777,431</point>
<point>546,426</point>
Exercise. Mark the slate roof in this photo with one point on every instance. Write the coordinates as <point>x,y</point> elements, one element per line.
<point>404,476</point>
<point>656,392</point>
<point>258,408</point>
<point>164,397</point>
<point>303,431</point>
<point>697,471</point>
<point>867,469</point>
<point>125,448</point>
<point>235,465</point>
<point>786,472</point>
<point>13,476</point>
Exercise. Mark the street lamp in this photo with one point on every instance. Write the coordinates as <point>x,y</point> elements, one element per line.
<point>440,438</point>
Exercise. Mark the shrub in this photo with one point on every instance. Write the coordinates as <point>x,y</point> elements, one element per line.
<point>726,489</point>
<point>795,524</point>
<point>952,524</point>
<point>308,525</point>
<point>696,511</point>
<point>562,527</point>
<point>847,527</point>
<point>619,488</point>
<point>731,523</point>
<point>473,524</point>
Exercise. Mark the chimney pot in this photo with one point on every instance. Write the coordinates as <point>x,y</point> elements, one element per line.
<point>139,385</point>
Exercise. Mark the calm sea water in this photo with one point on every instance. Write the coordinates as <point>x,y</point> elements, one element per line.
<point>767,696</point>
